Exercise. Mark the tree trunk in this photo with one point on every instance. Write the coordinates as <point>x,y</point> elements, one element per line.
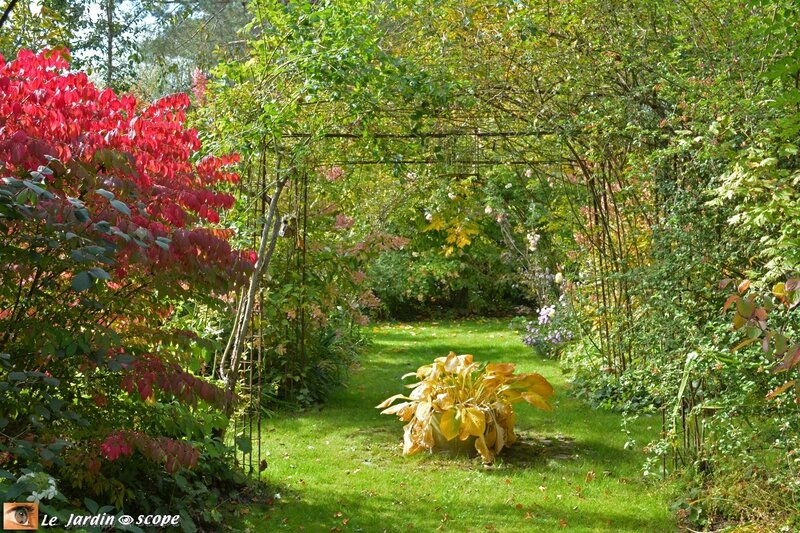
<point>233,351</point>
<point>110,43</point>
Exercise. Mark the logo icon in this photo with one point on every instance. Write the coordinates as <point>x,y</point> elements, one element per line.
<point>20,516</point>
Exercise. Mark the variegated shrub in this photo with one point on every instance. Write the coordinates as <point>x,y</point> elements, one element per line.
<point>457,399</point>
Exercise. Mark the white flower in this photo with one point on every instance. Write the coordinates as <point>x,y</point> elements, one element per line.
<point>528,173</point>
<point>44,486</point>
<point>508,185</point>
<point>488,210</point>
<point>533,240</point>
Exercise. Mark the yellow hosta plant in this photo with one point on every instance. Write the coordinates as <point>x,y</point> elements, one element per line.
<point>457,398</point>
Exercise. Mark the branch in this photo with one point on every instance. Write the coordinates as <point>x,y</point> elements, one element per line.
<point>420,135</point>
<point>7,12</point>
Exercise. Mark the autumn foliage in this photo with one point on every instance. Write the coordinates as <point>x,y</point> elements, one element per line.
<point>107,210</point>
<point>457,399</point>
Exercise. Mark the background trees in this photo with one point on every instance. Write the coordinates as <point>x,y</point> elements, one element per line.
<point>593,151</point>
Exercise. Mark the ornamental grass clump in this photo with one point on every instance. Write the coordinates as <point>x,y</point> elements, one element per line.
<point>458,400</point>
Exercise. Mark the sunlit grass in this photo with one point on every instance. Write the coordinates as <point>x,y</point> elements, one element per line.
<point>340,466</point>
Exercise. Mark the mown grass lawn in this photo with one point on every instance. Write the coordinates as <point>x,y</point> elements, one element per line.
<point>340,468</point>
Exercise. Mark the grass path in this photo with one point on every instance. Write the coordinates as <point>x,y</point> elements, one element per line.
<point>340,467</point>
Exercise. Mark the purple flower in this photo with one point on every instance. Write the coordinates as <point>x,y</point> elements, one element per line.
<point>546,313</point>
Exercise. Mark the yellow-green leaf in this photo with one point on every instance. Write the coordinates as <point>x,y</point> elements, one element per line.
<point>449,424</point>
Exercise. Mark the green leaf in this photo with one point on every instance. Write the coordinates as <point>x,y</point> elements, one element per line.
<point>91,505</point>
<point>81,215</point>
<point>17,489</point>
<point>121,207</point>
<point>244,444</point>
<point>108,195</point>
<point>187,524</point>
<point>75,202</point>
<point>36,189</point>
<point>99,273</point>
<point>81,282</point>
<point>47,455</point>
<point>745,308</point>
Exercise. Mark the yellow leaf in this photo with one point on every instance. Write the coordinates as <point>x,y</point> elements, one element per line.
<point>443,402</point>
<point>508,425</point>
<point>449,425</point>
<point>538,384</point>
<point>436,224</point>
<point>462,240</point>
<point>388,401</point>
<point>405,411</point>
<point>505,369</point>
<point>424,411</point>
<point>490,437</point>
<point>473,423</point>
<point>421,392</point>
<point>480,446</point>
<point>427,437</point>
<point>501,438</point>
<point>779,289</point>
<point>744,343</point>
<point>743,286</point>
<point>536,400</point>
<point>457,363</point>
<point>780,390</point>
<point>410,445</point>
<point>512,395</point>
<point>423,371</point>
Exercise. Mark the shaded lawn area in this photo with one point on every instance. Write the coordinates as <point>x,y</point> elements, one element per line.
<point>341,466</point>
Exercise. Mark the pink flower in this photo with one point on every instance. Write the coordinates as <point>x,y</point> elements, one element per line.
<point>199,85</point>
<point>333,173</point>
<point>343,222</point>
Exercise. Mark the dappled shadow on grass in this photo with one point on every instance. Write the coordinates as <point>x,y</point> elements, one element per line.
<point>536,450</point>
<point>528,452</point>
<point>369,511</point>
